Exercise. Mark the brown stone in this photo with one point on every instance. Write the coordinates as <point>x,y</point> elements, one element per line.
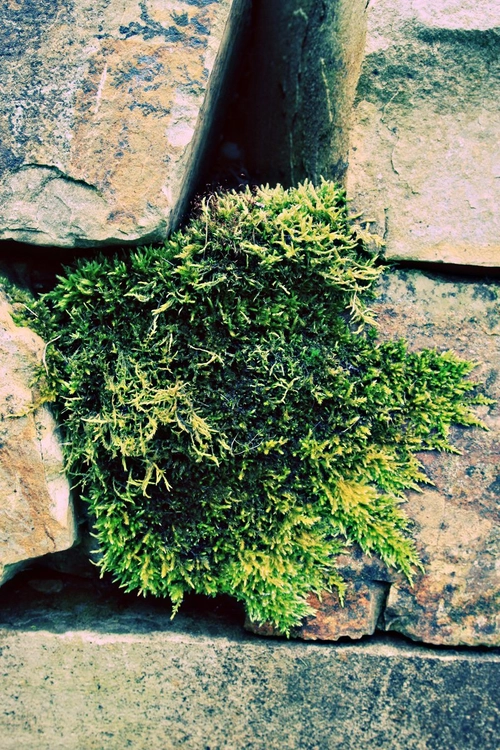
<point>36,513</point>
<point>358,616</point>
<point>104,113</point>
<point>368,581</point>
<point>457,521</point>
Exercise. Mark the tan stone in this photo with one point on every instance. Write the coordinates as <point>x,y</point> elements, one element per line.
<point>36,514</point>
<point>105,109</point>
<point>424,160</point>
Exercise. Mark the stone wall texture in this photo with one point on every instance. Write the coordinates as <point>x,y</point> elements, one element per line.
<point>83,673</point>
<point>424,159</point>
<point>36,514</point>
<point>104,110</point>
<point>457,520</point>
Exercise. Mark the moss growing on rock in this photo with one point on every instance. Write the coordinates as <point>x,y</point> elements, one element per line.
<point>228,425</point>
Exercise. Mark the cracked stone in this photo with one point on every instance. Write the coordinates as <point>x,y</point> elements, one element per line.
<point>105,112</point>
<point>292,105</point>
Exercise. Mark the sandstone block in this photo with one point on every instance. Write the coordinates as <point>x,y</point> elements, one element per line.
<point>424,159</point>
<point>104,112</point>
<point>36,514</point>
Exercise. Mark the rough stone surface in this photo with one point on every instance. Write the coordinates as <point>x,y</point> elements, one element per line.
<point>115,672</point>
<point>36,514</point>
<point>424,162</point>
<point>359,615</point>
<point>457,520</point>
<point>104,110</point>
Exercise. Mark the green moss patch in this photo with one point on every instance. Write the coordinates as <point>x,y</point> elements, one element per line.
<point>229,416</point>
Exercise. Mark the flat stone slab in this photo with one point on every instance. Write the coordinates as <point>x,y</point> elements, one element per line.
<point>104,111</point>
<point>424,160</point>
<point>115,672</point>
<point>36,511</point>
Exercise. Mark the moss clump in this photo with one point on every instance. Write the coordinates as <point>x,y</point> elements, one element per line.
<point>228,427</point>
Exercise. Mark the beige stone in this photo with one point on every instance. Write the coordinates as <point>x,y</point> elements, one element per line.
<point>87,670</point>
<point>424,161</point>
<point>36,513</point>
<point>104,113</point>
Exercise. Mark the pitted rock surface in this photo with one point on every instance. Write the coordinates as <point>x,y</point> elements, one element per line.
<point>104,111</point>
<point>424,159</point>
<point>36,513</point>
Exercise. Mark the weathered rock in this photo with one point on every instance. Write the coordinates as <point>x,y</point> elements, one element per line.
<point>358,616</point>
<point>36,514</point>
<point>104,111</point>
<point>368,581</point>
<point>90,670</point>
<point>457,520</point>
<point>424,161</point>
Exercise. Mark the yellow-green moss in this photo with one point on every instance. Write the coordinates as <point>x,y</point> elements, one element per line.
<point>228,425</point>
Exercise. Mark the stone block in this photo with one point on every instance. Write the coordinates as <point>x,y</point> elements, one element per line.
<point>104,113</point>
<point>424,163</point>
<point>457,519</point>
<point>356,617</point>
<point>36,513</point>
<point>113,671</point>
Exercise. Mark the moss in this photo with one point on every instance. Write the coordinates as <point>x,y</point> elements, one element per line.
<point>229,416</point>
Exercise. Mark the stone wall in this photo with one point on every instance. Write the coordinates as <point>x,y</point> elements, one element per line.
<point>106,113</point>
<point>36,512</point>
<point>80,673</point>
